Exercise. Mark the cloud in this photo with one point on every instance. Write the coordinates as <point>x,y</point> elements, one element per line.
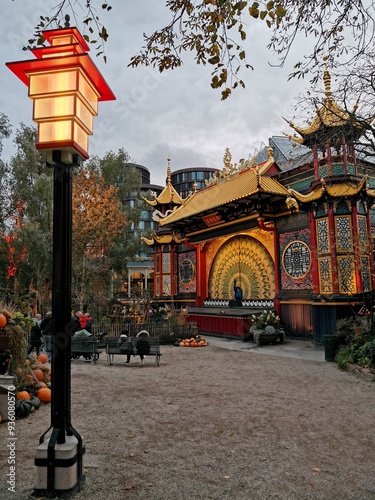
<point>156,115</point>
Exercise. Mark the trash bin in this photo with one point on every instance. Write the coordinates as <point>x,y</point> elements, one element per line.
<point>331,346</point>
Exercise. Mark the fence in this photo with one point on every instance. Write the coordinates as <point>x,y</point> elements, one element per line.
<point>166,332</point>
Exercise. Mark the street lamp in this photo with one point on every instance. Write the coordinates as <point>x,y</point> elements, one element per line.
<point>65,86</point>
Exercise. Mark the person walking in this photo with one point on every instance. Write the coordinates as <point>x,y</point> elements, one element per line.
<point>35,339</point>
<point>46,327</point>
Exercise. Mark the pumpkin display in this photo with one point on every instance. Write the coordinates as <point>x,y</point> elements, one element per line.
<point>22,395</point>
<point>197,341</point>
<point>3,321</point>
<point>44,394</point>
<point>42,358</point>
<point>39,374</point>
<point>22,408</point>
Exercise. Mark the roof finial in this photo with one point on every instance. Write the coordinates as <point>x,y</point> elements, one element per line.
<point>169,170</point>
<point>327,79</point>
<point>227,158</point>
<point>67,21</point>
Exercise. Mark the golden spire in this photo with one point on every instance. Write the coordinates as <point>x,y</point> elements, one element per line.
<point>327,80</point>
<point>169,170</point>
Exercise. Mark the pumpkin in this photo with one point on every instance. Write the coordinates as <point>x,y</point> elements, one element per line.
<point>3,321</point>
<point>42,358</point>
<point>22,395</point>
<point>41,384</point>
<point>39,374</point>
<point>44,394</point>
<point>22,409</point>
<point>28,402</point>
<point>35,402</point>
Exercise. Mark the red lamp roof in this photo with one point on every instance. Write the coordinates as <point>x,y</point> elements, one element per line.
<point>51,58</point>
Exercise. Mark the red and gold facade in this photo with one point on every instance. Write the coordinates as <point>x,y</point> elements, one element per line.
<point>297,239</point>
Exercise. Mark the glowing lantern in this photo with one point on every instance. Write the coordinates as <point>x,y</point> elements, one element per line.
<point>65,86</point>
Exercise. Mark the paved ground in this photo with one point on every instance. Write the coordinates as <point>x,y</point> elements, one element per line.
<point>300,349</point>
<point>230,421</point>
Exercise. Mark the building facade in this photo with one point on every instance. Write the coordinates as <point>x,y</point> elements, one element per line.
<point>187,179</point>
<point>292,235</point>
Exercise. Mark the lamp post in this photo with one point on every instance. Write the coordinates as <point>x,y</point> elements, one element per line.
<point>65,86</point>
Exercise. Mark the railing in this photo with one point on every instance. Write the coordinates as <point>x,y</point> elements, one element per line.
<point>166,332</point>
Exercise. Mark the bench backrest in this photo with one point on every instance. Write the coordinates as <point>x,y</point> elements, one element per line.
<point>138,345</point>
<point>146,345</point>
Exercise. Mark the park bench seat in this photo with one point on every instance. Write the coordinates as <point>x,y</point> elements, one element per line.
<point>134,346</point>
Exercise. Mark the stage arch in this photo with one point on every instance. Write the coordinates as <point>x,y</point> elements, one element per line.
<point>248,261</point>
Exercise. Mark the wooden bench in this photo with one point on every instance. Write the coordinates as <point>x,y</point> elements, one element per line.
<point>133,346</point>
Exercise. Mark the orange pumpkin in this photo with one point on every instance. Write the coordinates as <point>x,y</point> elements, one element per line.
<point>42,358</point>
<point>44,394</point>
<point>3,321</point>
<point>42,384</point>
<point>22,395</point>
<point>39,374</point>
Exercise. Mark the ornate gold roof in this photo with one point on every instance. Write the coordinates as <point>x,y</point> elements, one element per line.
<point>329,116</point>
<point>333,190</point>
<point>163,239</point>
<point>168,196</point>
<point>242,184</point>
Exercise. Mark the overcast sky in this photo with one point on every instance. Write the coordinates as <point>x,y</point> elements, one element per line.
<point>174,114</point>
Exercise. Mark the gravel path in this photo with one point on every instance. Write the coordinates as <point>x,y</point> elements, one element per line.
<point>212,423</point>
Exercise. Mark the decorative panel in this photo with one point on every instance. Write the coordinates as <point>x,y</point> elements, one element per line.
<point>346,275</point>
<point>362,234</point>
<point>365,274</point>
<point>343,234</point>
<point>187,279</point>
<point>295,260</point>
<point>166,262</point>
<point>322,235</point>
<point>246,260</point>
<point>166,284</point>
<point>325,275</point>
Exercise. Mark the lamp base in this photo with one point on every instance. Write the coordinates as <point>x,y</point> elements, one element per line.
<point>62,470</point>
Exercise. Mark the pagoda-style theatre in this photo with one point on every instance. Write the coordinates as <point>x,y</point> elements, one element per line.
<point>291,234</point>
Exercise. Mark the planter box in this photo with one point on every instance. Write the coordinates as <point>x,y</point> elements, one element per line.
<point>261,337</point>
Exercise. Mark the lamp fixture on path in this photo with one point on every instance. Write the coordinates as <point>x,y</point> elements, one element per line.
<point>65,86</point>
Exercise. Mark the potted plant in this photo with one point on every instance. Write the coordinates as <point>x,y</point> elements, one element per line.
<point>266,328</point>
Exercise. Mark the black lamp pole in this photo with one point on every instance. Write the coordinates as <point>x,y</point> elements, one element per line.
<point>61,425</point>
